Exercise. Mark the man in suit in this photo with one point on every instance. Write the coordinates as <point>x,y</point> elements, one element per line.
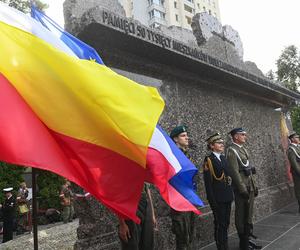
<point>9,213</point>
<point>294,159</point>
<point>218,189</point>
<point>244,187</point>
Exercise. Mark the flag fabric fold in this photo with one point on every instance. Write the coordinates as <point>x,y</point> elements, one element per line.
<point>97,124</point>
<point>167,167</point>
<point>91,125</point>
<point>172,172</point>
<point>81,49</point>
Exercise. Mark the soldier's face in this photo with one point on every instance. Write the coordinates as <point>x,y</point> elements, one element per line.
<point>217,147</point>
<point>182,139</point>
<point>296,139</point>
<point>240,138</point>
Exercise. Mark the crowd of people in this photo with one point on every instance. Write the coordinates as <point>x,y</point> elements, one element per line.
<point>16,211</point>
<point>229,175</point>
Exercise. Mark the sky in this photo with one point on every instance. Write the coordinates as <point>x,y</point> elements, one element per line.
<point>266,27</point>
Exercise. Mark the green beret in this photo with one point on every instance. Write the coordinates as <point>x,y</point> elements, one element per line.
<point>177,131</point>
<point>213,138</point>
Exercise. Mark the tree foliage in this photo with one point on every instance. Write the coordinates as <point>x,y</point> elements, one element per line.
<point>24,5</point>
<point>288,68</point>
<point>271,75</point>
<point>288,72</point>
<point>49,186</point>
<point>295,117</point>
<point>10,176</point>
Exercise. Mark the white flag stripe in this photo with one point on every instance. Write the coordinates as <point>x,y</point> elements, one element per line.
<point>159,143</point>
<point>24,22</point>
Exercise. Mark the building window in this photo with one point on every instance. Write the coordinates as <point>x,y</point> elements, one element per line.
<point>209,12</point>
<point>204,9</point>
<point>157,13</point>
<point>209,2</point>
<point>176,17</point>
<point>158,2</point>
<point>198,6</point>
<point>189,9</point>
<point>175,5</point>
<point>191,1</point>
<point>188,19</point>
<point>214,4</point>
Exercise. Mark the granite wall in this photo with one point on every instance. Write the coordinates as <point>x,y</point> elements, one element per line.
<point>204,106</point>
<point>203,97</point>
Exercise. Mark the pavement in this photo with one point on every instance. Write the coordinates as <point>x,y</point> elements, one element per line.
<point>56,236</point>
<point>278,231</point>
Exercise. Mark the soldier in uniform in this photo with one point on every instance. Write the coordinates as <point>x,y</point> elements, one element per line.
<point>9,212</point>
<point>294,159</point>
<point>245,189</point>
<point>182,222</point>
<point>139,236</point>
<point>218,189</point>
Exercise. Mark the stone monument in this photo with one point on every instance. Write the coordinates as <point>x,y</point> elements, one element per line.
<point>206,86</point>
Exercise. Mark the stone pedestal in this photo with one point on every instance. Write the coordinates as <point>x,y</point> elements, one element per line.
<point>97,226</point>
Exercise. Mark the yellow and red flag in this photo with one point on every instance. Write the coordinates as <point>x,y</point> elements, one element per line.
<point>76,118</point>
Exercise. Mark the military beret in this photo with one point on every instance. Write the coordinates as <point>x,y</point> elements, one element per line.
<point>9,189</point>
<point>292,135</point>
<point>213,138</point>
<point>236,130</point>
<point>177,131</point>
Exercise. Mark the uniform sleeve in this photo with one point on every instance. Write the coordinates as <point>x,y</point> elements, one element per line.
<point>208,184</point>
<point>295,165</point>
<point>233,170</point>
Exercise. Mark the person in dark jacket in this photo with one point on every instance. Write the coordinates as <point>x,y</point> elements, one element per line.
<point>139,236</point>
<point>218,189</point>
<point>9,212</point>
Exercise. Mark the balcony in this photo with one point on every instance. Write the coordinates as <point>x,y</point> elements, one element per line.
<point>192,5</point>
<point>155,6</point>
<point>157,20</point>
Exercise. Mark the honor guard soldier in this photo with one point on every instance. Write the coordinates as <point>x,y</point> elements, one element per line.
<point>218,189</point>
<point>294,159</point>
<point>244,187</point>
<point>182,222</point>
<point>8,212</point>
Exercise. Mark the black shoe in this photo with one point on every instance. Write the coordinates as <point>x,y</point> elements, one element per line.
<point>254,245</point>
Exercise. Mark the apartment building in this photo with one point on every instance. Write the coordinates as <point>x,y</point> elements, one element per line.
<point>154,13</point>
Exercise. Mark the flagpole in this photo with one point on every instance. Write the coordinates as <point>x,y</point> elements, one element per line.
<point>34,210</point>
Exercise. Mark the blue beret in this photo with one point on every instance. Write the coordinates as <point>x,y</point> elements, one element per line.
<point>178,130</point>
<point>236,130</point>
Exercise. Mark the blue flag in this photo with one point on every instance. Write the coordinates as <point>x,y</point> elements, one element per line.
<point>81,49</point>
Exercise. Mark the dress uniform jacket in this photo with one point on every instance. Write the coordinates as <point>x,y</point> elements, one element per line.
<point>217,190</point>
<point>243,183</point>
<point>294,159</point>
<point>237,158</point>
<point>219,195</point>
<point>9,213</point>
